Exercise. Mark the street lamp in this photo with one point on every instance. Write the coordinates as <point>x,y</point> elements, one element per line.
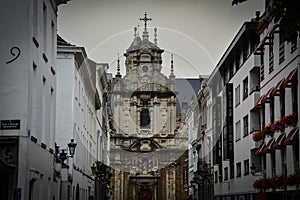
<point>62,156</point>
<point>93,168</point>
<point>72,146</point>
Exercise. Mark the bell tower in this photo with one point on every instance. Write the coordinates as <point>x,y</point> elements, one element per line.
<point>144,121</point>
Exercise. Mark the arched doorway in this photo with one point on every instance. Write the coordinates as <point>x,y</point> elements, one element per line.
<point>145,195</point>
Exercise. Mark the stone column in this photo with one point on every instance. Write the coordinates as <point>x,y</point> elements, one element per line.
<point>156,116</point>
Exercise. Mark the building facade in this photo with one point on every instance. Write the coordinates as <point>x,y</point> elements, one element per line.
<point>81,113</point>
<point>253,95</point>
<point>28,92</point>
<point>201,176</point>
<point>277,155</point>
<point>148,151</point>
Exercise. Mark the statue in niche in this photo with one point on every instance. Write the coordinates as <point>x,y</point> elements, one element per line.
<point>163,118</point>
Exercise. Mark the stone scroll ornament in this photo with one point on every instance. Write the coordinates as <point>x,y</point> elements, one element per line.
<point>15,52</point>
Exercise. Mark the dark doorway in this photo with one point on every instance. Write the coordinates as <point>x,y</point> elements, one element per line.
<point>4,181</point>
<point>77,197</point>
<point>145,195</point>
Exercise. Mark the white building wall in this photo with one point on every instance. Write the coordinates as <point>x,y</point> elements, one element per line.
<point>27,88</point>
<point>76,117</point>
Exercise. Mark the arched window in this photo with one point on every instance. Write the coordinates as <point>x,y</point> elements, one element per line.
<point>145,119</point>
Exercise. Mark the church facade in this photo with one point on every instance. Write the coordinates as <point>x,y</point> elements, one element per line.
<point>148,145</point>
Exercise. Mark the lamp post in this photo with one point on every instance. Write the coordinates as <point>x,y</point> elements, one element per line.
<point>102,178</point>
<point>61,156</point>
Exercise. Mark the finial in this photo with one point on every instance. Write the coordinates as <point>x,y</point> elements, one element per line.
<point>145,19</point>
<point>135,30</point>
<point>155,36</point>
<point>118,68</point>
<point>172,64</point>
<point>138,29</point>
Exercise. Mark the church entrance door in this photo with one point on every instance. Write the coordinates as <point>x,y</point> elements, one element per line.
<point>145,195</point>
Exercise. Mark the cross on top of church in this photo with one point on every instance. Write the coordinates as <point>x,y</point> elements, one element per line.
<point>145,19</point>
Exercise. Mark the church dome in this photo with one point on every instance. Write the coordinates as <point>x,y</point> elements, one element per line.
<point>139,44</point>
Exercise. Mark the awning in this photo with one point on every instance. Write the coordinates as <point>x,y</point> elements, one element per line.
<point>268,147</point>
<point>260,149</point>
<point>278,141</point>
<point>260,47</point>
<point>277,87</point>
<point>267,95</point>
<point>289,77</point>
<point>291,138</point>
<point>258,102</point>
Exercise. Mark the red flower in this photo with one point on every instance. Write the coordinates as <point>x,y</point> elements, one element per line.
<point>293,179</point>
<point>258,136</point>
<point>290,120</point>
<point>277,126</point>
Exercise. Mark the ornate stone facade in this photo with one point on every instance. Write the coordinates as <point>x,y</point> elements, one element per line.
<point>146,142</point>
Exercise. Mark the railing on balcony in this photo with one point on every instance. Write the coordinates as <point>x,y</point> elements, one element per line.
<point>281,53</point>
<point>262,72</point>
<point>271,62</point>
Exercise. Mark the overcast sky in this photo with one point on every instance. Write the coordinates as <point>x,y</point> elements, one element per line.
<point>197,32</point>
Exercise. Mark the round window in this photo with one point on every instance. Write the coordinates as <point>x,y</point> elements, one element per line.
<point>145,68</point>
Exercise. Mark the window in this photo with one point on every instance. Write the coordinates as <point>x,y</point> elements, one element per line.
<point>225,173</point>
<point>294,45</point>
<point>245,122</point>
<point>231,170</point>
<point>295,93</point>
<point>246,167</point>
<point>145,119</point>
<point>237,95</point>
<point>272,109</point>
<point>245,88</point>
<point>237,62</point>
<point>216,176</point>
<point>273,163</point>
<point>282,102</point>
<point>238,169</point>
<point>238,130</point>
